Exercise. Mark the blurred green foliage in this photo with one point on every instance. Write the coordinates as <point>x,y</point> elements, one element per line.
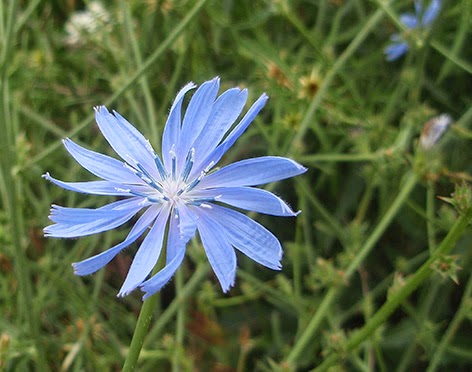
<point>371,214</point>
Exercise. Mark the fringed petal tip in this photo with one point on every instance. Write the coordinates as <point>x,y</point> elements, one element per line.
<point>227,286</point>
<point>101,109</point>
<point>78,270</point>
<point>226,290</point>
<point>121,294</point>
<point>128,291</point>
<point>47,233</point>
<point>229,281</point>
<point>149,292</point>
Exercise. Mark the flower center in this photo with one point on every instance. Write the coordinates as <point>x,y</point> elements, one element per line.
<point>171,188</point>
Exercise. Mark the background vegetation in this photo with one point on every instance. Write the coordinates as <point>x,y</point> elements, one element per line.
<point>371,217</point>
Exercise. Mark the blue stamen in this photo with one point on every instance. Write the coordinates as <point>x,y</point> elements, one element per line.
<point>157,160</point>
<point>194,183</point>
<point>188,164</point>
<point>148,178</point>
<point>174,162</point>
<point>197,180</point>
<point>160,167</point>
<point>199,201</point>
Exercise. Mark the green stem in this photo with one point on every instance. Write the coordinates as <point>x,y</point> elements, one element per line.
<point>138,60</point>
<point>142,326</point>
<point>180,324</point>
<point>140,331</point>
<point>308,121</point>
<point>452,329</point>
<point>339,158</point>
<point>430,198</point>
<point>396,299</point>
<point>326,304</point>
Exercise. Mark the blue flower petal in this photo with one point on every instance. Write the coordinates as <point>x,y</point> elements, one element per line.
<point>75,222</point>
<point>252,172</point>
<point>249,237</point>
<point>245,121</point>
<point>60,230</point>
<point>218,249</point>
<point>102,166</point>
<point>196,116</point>
<point>225,111</point>
<point>92,187</point>
<point>94,263</point>
<point>147,255</point>
<point>187,222</point>
<point>174,256</point>
<point>126,140</point>
<point>218,153</point>
<point>171,134</point>
<point>192,145</point>
<point>418,7</point>
<point>431,13</point>
<point>409,20</point>
<point>395,51</point>
<point>84,215</point>
<point>248,198</point>
<point>159,280</point>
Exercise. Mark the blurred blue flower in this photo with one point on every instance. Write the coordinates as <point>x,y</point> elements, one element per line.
<point>420,19</point>
<point>181,191</point>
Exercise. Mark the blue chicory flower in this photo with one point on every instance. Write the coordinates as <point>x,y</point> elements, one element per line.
<point>181,191</point>
<point>419,20</point>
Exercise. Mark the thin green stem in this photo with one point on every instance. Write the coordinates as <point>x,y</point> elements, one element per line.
<point>307,121</point>
<point>180,326</point>
<point>325,306</point>
<point>318,206</point>
<point>406,189</point>
<point>430,198</point>
<point>421,315</point>
<point>453,327</point>
<point>144,319</point>
<point>339,158</point>
<point>130,35</point>
<point>311,37</point>
<point>397,298</point>
<point>464,65</point>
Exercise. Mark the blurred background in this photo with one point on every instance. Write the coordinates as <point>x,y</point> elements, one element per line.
<point>370,208</point>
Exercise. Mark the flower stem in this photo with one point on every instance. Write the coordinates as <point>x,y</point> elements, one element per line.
<point>180,323</point>
<point>396,299</point>
<point>144,319</point>
<point>140,331</point>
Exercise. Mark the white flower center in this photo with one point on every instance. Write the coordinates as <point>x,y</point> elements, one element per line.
<point>172,188</point>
